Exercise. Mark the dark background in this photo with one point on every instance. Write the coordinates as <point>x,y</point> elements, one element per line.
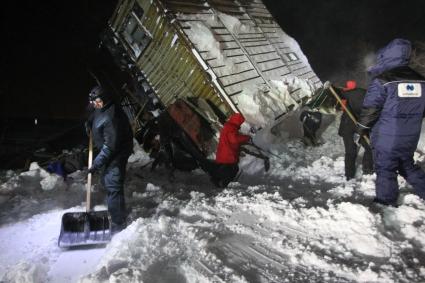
<point>48,46</point>
<point>340,37</point>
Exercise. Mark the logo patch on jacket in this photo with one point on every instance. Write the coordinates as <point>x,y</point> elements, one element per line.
<point>409,90</point>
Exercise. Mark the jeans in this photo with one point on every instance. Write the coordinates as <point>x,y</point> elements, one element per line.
<point>113,178</point>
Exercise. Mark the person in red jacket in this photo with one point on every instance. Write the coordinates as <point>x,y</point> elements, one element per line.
<point>228,149</point>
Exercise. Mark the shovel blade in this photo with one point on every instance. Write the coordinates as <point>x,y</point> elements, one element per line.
<point>84,228</point>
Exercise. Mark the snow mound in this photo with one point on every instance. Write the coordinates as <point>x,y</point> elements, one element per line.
<point>298,222</point>
<point>27,272</point>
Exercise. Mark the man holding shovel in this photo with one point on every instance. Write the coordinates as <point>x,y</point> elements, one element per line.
<point>113,136</point>
<point>353,97</point>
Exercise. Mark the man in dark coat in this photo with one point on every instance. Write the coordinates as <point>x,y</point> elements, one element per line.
<point>228,150</point>
<point>113,136</point>
<point>353,97</point>
<point>393,109</point>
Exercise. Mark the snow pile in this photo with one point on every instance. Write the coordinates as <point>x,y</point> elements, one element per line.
<point>26,272</point>
<point>138,154</point>
<point>204,39</point>
<point>48,181</point>
<point>298,222</point>
<point>406,221</point>
<point>31,255</point>
<point>261,105</point>
<point>216,239</point>
<point>29,182</point>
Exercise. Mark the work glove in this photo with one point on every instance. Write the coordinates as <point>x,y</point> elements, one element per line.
<point>362,130</point>
<point>92,170</point>
<point>327,84</point>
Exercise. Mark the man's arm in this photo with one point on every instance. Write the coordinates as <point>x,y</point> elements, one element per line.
<point>372,106</point>
<point>237,138</point>
<point>108,148</point>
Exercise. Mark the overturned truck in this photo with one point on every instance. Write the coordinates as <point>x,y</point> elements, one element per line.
<point>201,61</point>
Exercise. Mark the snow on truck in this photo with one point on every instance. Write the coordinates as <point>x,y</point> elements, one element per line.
<point>202,60</point>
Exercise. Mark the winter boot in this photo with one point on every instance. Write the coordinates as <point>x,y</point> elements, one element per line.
<point>386,203</point>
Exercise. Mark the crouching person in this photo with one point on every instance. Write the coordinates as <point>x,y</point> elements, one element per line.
<point>311,123</point>
<point>112,135</point>
<point>226,167</point>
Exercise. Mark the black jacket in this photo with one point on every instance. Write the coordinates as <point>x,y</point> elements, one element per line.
<point>354,99</point>
<point>112,133</point>
<point>311,120</point>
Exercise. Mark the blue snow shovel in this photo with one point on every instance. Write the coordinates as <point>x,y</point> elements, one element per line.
<point>85,228</point>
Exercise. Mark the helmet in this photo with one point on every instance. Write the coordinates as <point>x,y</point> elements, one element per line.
<point>96,92</point>
<point>349,85</point>
<point>99,92</point>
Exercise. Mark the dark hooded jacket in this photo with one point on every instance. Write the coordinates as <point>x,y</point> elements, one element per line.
<point>231,140</point>
<point>354,97</point>
<point>112,133</point>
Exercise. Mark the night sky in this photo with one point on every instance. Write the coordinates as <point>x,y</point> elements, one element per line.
<point>49,49</point>
<point>337,35</point>
<point>48,46</point>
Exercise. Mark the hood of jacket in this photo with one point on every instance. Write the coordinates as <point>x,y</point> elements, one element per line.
<point>349,85</point>
<point>395,54</point>
<point>236,119</point>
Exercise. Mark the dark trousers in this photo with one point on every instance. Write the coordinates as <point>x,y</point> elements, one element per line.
<point>221,174</point>
<point>112,179</point>
<point>387,165</point>
<point>309,135</point>
<point>351,151</point>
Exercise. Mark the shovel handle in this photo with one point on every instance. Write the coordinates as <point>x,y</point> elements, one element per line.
<point>366,138</point>
<point>88,198</point>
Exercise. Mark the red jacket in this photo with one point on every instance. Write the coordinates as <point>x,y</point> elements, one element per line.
<point>230,140</point>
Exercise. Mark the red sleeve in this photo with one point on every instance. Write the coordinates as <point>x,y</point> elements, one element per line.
<point>237,138</point>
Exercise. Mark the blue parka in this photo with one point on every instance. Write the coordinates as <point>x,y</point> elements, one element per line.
<point>394,108</point>
<point>395,100</point>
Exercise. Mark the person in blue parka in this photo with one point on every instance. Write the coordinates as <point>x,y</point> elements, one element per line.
<point>393,111</point>
<point>113,137</point>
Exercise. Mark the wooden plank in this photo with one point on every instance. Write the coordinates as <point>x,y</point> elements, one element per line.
<point>243,84</point>
<point>236,73</point>
<point>237,78</point>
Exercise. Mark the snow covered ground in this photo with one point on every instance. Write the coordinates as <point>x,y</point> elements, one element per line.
<point>299,222</point>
